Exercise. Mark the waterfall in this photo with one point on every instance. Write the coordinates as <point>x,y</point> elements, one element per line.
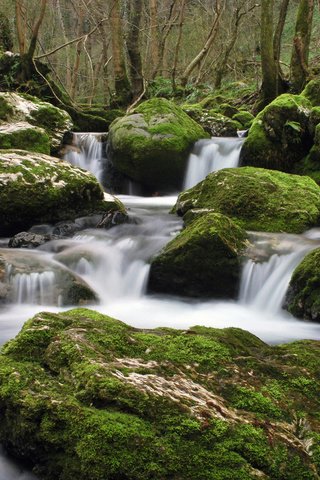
<point>33,288</point>
<point>264,285</point>
<point>211,155</point>
<point>87,153</point>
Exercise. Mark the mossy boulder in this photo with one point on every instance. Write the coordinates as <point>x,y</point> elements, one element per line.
<point>204,260</point>
<point>303,295</point>
<point>244,118</point>
<point>19,270</point>
<point>279,136</point>
<point>257,199</point>
<point>24,136</point>
<point>310,165</point>
<point>85,396</point>
<point>151,144</point>
<point>218,125</point>
<point>312,92</point>
<point>36,188</point>
<point>16,108</point>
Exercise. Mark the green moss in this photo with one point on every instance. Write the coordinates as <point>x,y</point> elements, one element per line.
<point>245,118</point>
<point>272,142</point>
<point>151,145</point>
<point>83,395</point>
<point>26,138</point>
<point>303,296</point>
<point>203,260</point>
<point>41,189</point>
<point>312,92</point>
<point>257,199</point>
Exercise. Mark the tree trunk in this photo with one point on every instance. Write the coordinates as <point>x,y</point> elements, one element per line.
<point>21,25</point>
<point>121,82</point>
<point>133,48</point>
<point>268,66</point>
<point>277,43</point>
<point>177,47</point>
<point>210,39</point>
<point>301,42</point>
<point>154,37</point>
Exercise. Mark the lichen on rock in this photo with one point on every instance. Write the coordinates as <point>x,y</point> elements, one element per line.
<point>85,396</point>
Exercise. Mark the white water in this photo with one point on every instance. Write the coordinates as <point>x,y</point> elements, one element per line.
<point>211,155</point>
<point>115,264</point>
<point>87,153</point>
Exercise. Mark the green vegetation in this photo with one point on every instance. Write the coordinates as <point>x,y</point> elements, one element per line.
<point>257,199</point>
<point>24,137</point>
<point>203,260</point>
<point>86,395</point>
<point>41,189</point>
<point>151,144</point>
<point>303,296</point>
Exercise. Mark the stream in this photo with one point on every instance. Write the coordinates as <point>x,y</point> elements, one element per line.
<point>114,263</point>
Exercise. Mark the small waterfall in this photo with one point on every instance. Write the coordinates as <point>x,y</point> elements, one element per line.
<point>264,285</point>
<point>33,288</point>
<point>87,153</point>
<point>211,155</point>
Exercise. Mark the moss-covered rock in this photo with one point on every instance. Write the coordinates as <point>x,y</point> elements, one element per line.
<point>37,188</point>
<point>257,199</point>
<point>245,118</point>
<point>279,135</point>
<point>218,125</point>
<point>151,144</point>
<point>312,92</point>
<point>85,396</point>
<point>52,283</point>
<point>18,108</point>
<point>310,165</point>
<point>204,260</point>
<point>24,136</point>
<point>303,295</point>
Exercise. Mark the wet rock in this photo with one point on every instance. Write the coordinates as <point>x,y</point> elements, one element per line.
<point>112,219</point>
<point>303,294</point>
<point>204,260</point>
<point>28,240</point>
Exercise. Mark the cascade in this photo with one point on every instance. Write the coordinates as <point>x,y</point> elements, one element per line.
<point>33,288</point>
<point>211,155</point>
<point>264,285</point>
<point>87,153</point>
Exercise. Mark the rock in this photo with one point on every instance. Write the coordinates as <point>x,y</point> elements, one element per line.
<point>279,135</point>
<point>37,189</point>
<point>28,240</point>
<point>245,118</point>
<point>303,294</point>
<point>39,280</point>
<point>257,199</point>
<point>151,144</point>
<point>310,165</point>
<point>85,396</point>
<point>204,260</point>
<point>218,125</point>
<point>37,116</point>
<point>113,219</point>
<point>312,92</point>
<point>22,135</point>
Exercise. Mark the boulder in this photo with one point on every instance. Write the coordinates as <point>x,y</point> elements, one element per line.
<point>37,116</point>
<point>218,125</point>
<point>204,260</point>
<point>37,189</point>
<point>303,294</point>
<point>312,92</point>
<point>245,118</point>
<point>257,199</point>
<point>85,396</point>
<point>29,278</point>
<point>151,144</point>
<point>29,240</point>
<point>24,136</point>
<point>279,135</point>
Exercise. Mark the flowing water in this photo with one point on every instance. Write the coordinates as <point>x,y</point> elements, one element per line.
<point>211,155</point>
<point>114,263</point>
<point>87,153</point>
